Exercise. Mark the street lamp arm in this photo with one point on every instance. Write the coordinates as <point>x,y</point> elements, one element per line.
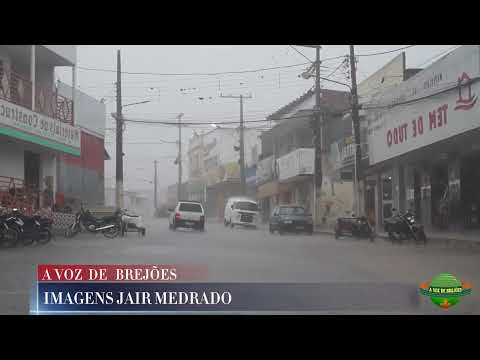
<point>137,103</point>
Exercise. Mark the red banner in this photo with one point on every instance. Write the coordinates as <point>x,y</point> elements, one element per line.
<point>120,273</point>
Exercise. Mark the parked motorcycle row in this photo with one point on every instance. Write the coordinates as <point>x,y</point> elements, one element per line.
<point>17,228</point>
<point>403,226</point>
<point>400,227</point>
<point>110,226</point>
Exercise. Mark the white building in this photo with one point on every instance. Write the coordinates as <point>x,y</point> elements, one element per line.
<point>43,127</point>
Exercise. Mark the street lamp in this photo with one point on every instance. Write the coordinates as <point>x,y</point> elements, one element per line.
<point>137,103</point>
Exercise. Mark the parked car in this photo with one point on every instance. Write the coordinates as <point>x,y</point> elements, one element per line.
<point>241,211</point>
<point>187,214</point>
<point>290,218</point>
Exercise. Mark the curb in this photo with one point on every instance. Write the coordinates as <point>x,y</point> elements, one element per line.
<point>446,242</point>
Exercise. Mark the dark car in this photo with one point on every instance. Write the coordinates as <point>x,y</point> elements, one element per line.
<point>291,218</point>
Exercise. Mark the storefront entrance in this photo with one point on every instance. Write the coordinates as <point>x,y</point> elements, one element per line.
<point>470,191</point>
<point>32,173</point>
<point>440,196</point>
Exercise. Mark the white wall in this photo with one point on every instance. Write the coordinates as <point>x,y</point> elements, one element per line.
<point>68,52</point>
<point>389,75</point>
<point>11,160</point>
<point>89,112</point>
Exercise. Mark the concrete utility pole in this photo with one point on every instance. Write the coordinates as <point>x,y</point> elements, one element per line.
<point>356,129</point>
<point>119,150</point>
<point>242,146</point>
<point>318,174</point>
<point>179,159</point>
<point>155,187</point>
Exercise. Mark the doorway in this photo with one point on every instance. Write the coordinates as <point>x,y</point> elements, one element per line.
<point>440,198</point>
<point>32,174</point>
<point>417,194</point>
<point>470,191</point>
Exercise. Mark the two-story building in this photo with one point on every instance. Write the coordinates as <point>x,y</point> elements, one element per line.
<point>39,127</point>
<point>214,170</point>
<point>285,173</point>
<point>423,143</point>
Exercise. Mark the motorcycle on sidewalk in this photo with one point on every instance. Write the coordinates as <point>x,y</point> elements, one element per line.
<point>28,229</point>
<point>357,227</point>
<point>110,226</point>
<point>403,226</point>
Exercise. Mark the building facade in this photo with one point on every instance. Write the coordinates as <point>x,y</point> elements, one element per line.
<point>39,125</point>
<point>423,137</point>
<point>285,173</point>
<point>214,170</point>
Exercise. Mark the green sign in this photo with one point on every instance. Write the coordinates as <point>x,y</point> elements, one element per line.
<point>445,290</point>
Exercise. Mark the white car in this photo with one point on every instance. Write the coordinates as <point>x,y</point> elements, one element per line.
<point>187,214</point>
<point>241,211</point>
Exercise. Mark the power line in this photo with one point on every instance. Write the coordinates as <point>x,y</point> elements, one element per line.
<point>298,51</point>
<point>437,55</point>
<point>172,123</point>
<point>195,74</point>
<point>386,52</point>
<point>441,91</point>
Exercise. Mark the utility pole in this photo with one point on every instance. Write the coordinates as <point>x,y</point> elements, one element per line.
<point>179,159</point>
<point>119,150</point>
<point>242,146</point>
<point>155,187</point>
<point>318,174</point>
<point>356,129</point>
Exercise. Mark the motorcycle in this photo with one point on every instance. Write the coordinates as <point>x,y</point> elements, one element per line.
<point>29,229</point>
<point>358,227</point>
<point>8,236</point>
<point>109,226</point>
<point>132,223</point>
<point>403,226</point>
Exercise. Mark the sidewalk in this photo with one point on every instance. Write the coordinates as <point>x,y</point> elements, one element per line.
<point>465,239</point>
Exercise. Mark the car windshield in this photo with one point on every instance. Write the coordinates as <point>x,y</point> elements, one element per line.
<point>294,210</point>
<point>190,207</point>
<point>246,205</point>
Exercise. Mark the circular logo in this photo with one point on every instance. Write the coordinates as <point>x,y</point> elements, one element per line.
<point>445,290</point>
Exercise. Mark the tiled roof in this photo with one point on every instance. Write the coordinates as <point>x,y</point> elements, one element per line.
<point>331,100</point>
<point>282,111</point>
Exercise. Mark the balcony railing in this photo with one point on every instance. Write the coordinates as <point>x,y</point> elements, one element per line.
<point>14,193</point>
<point>347,153</point>
<point>299,162</point>
<point>18,90</point>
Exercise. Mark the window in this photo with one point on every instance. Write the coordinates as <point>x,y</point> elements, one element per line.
<point>294,210</point>
<point>190,207</point>
<point>246,205</point>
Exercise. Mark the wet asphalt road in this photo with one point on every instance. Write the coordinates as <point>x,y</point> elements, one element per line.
<point>355,276</point>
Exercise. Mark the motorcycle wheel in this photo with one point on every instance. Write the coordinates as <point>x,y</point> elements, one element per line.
<point>9,238</point>
<point>72,231</point>
<point>421,237</point>
<point>391,237</point>
<point>112,232</point>
<point>29,240</point>
<point>45,237</point>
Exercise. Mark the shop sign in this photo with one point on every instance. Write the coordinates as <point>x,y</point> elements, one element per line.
<point>435,104</point>
<point>19,122</point>
<point>409,127</point>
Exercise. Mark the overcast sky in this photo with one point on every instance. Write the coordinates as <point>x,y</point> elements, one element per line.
<point>171,95</point>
